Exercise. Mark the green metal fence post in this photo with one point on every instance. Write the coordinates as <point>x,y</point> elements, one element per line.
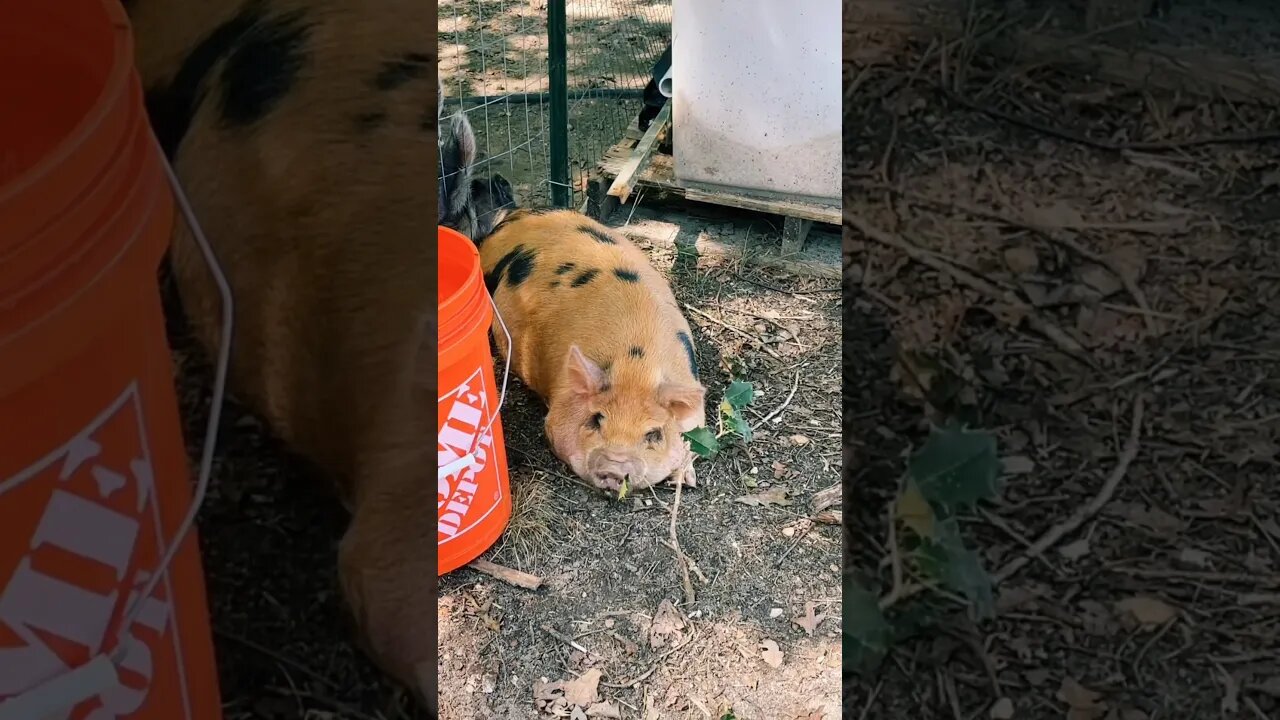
<point>558,74</point>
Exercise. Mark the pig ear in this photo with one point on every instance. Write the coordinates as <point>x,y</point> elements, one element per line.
<point>684,401</point>
<point>585,377</point>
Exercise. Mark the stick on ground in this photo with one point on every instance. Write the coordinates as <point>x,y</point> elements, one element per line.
<point>1073,523</point>
<point>506,574</point>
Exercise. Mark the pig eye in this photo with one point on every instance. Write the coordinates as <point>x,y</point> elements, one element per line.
<point>594,421</point>
<point>654,436</point>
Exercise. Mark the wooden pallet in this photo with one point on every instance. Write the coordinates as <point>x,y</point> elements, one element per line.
<point>636,162</point>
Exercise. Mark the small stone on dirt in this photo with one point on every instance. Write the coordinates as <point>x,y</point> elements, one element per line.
<point>1002,709</point>
<point>775,613</point>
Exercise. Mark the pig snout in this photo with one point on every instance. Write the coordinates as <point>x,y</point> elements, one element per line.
<point>608,467</point>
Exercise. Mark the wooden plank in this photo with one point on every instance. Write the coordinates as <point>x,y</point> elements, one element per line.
<point>661,174</point>
<point>639,157</point>
<point>789,208</point>
<point>794,231</point>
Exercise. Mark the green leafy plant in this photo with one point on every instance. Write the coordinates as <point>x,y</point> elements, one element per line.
<point>730,421</point>
<point>955,469</point>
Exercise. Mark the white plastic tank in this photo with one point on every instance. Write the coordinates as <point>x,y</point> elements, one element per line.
<point>757,94</point>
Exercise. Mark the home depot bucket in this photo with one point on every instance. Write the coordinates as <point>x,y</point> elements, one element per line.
<point>94,482</point>
<point>474,497</point>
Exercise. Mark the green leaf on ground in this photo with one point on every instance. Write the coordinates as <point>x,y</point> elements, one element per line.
<point>945,558</point>
<point>867,634</point>
<point>733,420</point>
<point>739,394</point>
<point>956,467</point>
<point>702,442</point>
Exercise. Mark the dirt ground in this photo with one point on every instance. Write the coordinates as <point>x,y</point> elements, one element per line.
<point>1060,259</point>
<point>269,531</point>
<point>611,583</point>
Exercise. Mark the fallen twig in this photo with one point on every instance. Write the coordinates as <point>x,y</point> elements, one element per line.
<point>506,574</point>
<point>1073,523</point>
<point>681,560</point>
<point>567,640</point>
<point>733,329</point>
<point>268,652</point>
<point>795,383</point>
<point>1062,340</point>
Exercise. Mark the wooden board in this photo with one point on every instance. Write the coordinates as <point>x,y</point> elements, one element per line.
<point>661,174</point>
<point>640,156</point>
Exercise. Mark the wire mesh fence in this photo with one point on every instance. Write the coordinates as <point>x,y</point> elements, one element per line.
<point>497,67</point>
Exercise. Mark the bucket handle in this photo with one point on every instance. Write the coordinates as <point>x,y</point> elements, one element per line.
<point>99,673</point>
<point>453,466</point>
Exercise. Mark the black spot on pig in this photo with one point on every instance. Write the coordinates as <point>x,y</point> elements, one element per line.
<point>636,352</point>
<point>600,235</point>
<point>520,268</point>
<point>627,276</point>
<point>563,268</point>
<point>516,265</point>
<point>397,73</point>
<point>263,68</point>
<point>687,342</point>
<point>171,108</point>
<point>368,122</point>
<point>586,277</point>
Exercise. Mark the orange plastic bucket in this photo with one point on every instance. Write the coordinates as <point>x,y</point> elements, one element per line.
<point>474,496</point>
<point>94,480</point>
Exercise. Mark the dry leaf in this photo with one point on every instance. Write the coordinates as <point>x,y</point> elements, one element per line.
<point>666,626</point>
<point>1083,703</point>
<point>799,440</point>
<point>1147,610</point>
<point>545,690</point>
<point>577,714</point>
<point>772,496</point>
<point>1100,279</point>
<point>809,622</point>
<point>770,652</point>
<point>585,690</point>
<point>604,710</point>
<point>914,511</point>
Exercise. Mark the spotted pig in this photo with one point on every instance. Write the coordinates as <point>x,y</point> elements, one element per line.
<point>596,332</point>
<point>303,132</point>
